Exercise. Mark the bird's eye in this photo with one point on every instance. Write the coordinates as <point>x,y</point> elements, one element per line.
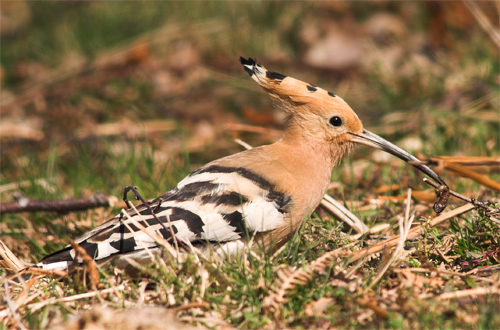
<point>336,121</point>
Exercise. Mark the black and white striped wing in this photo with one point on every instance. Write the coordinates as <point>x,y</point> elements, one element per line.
<point>215,204</point>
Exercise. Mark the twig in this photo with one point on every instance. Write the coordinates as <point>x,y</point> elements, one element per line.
<point>483,21</point>
<point>468,292</point>
<point>25,204</point>
<point>464,161</point>
<point>412,233</point>
<point>404,227</point>
<point>202,304</point>
<point>12,308</point>
<point>10,258</point>
<point>243,144</point>
<point>447,272</point>
<point>36,306</point>
<point>42,272</point>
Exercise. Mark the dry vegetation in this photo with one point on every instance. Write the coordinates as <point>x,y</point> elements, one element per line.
<point>96,96</point>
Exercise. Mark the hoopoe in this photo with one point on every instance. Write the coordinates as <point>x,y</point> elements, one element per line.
<point>265,193</point>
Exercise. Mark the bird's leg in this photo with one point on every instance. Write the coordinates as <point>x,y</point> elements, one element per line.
<point>139,197</point>
<point>153,213</point>
<point>125,192</point>
<point>160,200</point>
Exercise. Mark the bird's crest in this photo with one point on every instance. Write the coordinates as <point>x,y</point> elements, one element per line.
<point>293,93</point>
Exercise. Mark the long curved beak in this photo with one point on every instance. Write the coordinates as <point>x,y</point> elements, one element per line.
<point>375,141</point>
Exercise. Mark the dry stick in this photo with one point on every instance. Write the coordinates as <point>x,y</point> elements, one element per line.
<point>483,21</point>
<point>36,306</point>
<point>26,205</point>
<point>190,305</point>
<point>12,308</point>
<point>404,227</point>
<point>10,258</point>
<point>412,233</point>
<point>243,144</point>
<point>446,272</point>
<point>157,238</point>
<point>464,161</point>
<point>468,292</point>
<point>139,241</point>
<point>466,173</point>
<point>42,272</point>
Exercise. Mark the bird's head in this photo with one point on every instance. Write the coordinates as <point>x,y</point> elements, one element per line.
<point>318,113</point>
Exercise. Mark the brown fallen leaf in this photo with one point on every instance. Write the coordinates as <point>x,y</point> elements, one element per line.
<point>315,308</point>
<point>419,280</point>
<point>372,304</point>
<point>392,198</point>
<point>384,188</point>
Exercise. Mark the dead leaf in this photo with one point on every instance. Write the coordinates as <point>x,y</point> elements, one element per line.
<point>419,280</point>
<point>315,308</point>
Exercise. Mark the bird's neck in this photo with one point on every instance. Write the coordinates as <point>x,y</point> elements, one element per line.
<point>313,149</point>
<point>310,160</point>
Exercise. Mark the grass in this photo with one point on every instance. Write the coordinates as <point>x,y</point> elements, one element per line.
<point>447,102</point>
